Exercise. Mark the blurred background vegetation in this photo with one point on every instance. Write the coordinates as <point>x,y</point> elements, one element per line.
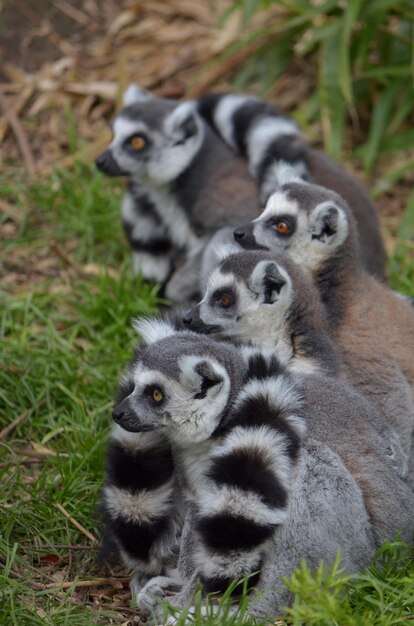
<point>343,69</point>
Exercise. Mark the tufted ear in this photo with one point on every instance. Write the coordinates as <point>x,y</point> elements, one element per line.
<point>153,329</point>
<point>184,122</point>
<point>200,375</point>
<point>269,280</point>
<point>133,93</point>
<point>328,224</point>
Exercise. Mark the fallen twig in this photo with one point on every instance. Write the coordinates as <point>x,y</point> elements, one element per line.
<point>59,546</point>
<point>10,427</point>
<point>20,135</point>
<point>21,102</point>
<point>93,582</point>
<point>76,523</point>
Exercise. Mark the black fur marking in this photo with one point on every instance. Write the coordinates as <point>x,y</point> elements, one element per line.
<point>256,411</point>
<point>243,117</point>
<point>290,220</point>
<point>158,246</point>
<point>285,148</point>
<point>209,379</point>
<point>219,584</point>
<point>247,469</point>
<point>125,389</point>
<point>261,368</point>
<point>137,539</point>
<point>225,532</point>
<point>144,205</point>
<point>205,386</point>
<point>135,470</point>
<point>224,291</point>
<point>207,105</point>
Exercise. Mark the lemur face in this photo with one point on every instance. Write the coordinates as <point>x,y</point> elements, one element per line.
<point>247,296</point>
<point>176,385</point>
<point>153,138</point>
<point>310,222</point>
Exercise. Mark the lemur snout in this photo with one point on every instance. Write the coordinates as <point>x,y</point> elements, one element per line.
<point>239,233</point>
<point>118,413</point>
<point>107,164</point>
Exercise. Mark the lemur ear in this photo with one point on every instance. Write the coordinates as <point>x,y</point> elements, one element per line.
<point>184,122</point>
<point>199,375</point>
<point>133,93</point>
<point>268,279</point>
<point>327,222</point>
<point>208,372</point>
<point>153,329</point>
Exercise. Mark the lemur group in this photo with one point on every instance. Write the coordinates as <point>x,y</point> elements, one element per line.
<point>273,421</point>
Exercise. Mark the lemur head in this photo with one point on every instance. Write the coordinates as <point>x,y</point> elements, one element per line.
<point>246,292</point>
<point>265,298</point>
<point>309,221</point>
<point>153,138</point>
<point>179,382</point>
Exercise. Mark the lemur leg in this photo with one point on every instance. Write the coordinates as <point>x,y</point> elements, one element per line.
<point>148,597</point>
<point>140,502</point>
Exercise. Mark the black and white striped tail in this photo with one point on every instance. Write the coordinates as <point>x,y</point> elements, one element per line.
<point>249,477</point>
<point>259,132</point>
<point>141,517</point>
<point>147,235</point>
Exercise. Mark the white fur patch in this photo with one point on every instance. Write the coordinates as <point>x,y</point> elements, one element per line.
<point>218,280</point>
<point>234,564</point>
<point>224,113</point>
<point>174,218</point>
<point>133,93</point>
<point>281,173</point>
<point>304,365</point>
<point>239,502</point>
<point>153,329</point>
<point>142,506</point>
<point>281,393</point>
<point>144,227</point>
<point>279,204</point>
<point>134,441</point>
<point>262,134</point>
<point>124,128</point>
<point>201,418</point>
<point>271,445</point>
<point>151,267</point>
<point>147,598</point>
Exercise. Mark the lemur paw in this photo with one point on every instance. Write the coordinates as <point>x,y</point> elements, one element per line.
<point>147,597</point>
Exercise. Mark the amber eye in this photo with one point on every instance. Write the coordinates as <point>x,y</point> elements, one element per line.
<point>157,395</point>
<point>225,300</point>
<point>282,227</point>
<point>137,142</point>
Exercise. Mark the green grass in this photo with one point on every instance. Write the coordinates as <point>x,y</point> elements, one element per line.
<point>362,52</point>
<point>65,337</point>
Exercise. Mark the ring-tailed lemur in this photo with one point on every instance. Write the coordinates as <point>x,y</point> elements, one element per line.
<point>184,183</point>
<point>264,136</point>
<point>260,494</point>
<point>371,325</point>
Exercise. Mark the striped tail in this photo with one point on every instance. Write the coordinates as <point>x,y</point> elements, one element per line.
<point>249,477</point>
<point>267,139</point>
<point>139,499</point>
